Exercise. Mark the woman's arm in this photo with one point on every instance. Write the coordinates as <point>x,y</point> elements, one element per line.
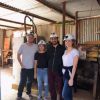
<point>75,62</point>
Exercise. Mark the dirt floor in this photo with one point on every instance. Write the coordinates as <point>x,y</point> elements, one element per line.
<point>7,93</point>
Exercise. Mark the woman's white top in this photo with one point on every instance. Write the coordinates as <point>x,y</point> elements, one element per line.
<point>69,58</point>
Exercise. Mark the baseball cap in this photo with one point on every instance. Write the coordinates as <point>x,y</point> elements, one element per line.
<point>69,37</point>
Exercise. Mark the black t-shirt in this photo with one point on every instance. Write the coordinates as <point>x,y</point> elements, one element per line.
<point>42,60</point>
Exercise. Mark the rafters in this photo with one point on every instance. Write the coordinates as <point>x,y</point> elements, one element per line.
<point>9,26</point>
<point>6,20</point>
<point>46,3</point>
<point>24,12</point>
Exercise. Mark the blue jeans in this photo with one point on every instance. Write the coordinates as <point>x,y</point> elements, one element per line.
<point>42,78</point>
<point>67,91</point>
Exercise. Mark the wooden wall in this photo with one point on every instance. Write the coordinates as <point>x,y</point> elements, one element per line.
<point>45,30</point>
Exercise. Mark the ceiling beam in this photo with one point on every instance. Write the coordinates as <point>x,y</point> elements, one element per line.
<point>9,26</point>
<point>21,28</point>
<point>70,22</point>
<point>46,3</point>
<point>6,20</point>
<point>98,2</point>
<point>14,28</point>
<point>24,12</point>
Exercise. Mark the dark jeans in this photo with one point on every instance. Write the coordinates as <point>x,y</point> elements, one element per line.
<point>26,78</point>
<point>67,91</point>
<point>55,84</point>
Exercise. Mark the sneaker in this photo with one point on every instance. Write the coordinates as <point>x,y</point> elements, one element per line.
<point>19,98</point>
<point>39,97</point>
<point>45,98</point>
<point>30,96</point>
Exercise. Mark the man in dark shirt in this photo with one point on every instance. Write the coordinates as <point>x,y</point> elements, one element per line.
<point>55,52</point>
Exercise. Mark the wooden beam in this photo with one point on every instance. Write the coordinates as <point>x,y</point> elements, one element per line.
<point>98,2</point>
<point>92,17</point>
<point>14,28</point>
<point>66,21</point>
<point>21,28</point>
<point>24,12</point>
<point>14,22</point>
<point>63,24</point>
<point>77,22</point>
<point>9,26</point>
<point>46,3</point>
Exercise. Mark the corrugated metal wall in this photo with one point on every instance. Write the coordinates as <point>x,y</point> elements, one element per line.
<point>87,30</point>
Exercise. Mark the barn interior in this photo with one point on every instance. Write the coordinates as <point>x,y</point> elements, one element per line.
<point>78,17</point>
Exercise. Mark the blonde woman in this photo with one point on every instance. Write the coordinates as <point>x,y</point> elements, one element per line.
<point>70,60</point>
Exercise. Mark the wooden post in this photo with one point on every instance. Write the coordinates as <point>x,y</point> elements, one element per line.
<point>76,22</point>
<point>2,52</point>
<point>63,24</point>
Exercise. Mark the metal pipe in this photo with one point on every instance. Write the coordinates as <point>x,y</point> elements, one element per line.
<point>34,29</point>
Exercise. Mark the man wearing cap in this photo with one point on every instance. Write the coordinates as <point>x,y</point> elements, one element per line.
<point>55,52</point>
<point>25,57</point>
